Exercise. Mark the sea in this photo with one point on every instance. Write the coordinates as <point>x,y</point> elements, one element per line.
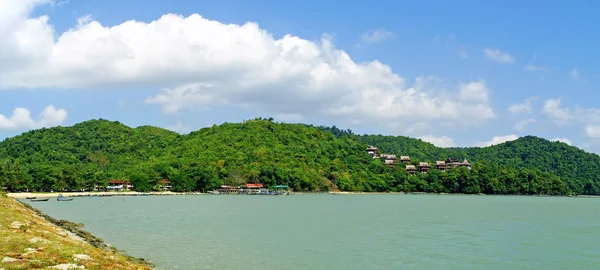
<point>324,231</point>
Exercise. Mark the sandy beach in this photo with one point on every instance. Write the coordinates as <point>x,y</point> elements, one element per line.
<point>23,195</point>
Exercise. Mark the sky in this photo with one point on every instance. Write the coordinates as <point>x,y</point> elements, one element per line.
<point>453,73</point>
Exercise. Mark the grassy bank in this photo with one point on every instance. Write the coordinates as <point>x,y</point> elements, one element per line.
<point>30,239</point>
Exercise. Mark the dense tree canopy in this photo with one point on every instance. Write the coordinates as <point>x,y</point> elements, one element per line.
<point>304,157</point>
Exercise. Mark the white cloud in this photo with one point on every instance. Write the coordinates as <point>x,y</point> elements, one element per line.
<point>376,36</point>
<point>553,110</point>
<point>593,131</point>
<point>475,92</point>
<point>180,128</point>
<point>498,56</point>
<point>563,140</point>
<point>61,3</point>
<point>574,75</point>
<point>521,125</point>
<point>442,141</point>
<point>532,67</point>
<point>522,108</point>
<point>578,115</point>
<point>21,119</point>
<point>198,63</point>
<point>497,140</point>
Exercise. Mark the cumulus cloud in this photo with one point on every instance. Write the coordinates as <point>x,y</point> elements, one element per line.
<point>563,115</point>
<point>563,140</point>
<point>180,128</point>
<point>197,63</point>
<point>521,125</point>
<point>497,140</point>
<point>522,108</point>
<point>441,141</point>
<point>21,119</point>
<point>593,131</point>
<point>376,36</point>
<point>498,56</point>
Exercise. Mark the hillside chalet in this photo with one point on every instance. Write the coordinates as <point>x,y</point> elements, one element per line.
<point>405,159</point>
<point>424,167</point>
<point>440,165</point>
<point>411,169</point>
<point>372,151</point>
<point>388,159</point>
<point>454,163</point>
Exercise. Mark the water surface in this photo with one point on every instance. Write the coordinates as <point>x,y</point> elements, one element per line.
<point>344,232</point>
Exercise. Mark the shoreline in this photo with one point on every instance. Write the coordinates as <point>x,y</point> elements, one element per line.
<point>24,195</point>
<point>31,239</point>
<point>74,229</point>
<point>454,194</point>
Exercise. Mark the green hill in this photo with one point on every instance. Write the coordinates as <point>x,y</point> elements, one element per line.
<point>301,156</point>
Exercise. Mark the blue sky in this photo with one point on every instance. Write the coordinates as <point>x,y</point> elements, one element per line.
<point>448,72</point>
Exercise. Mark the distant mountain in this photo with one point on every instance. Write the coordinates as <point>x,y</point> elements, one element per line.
<point>304,157</point>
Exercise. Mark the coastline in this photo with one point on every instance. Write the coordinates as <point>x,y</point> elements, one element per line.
<point>30,239</point>
<point>24,195</point>
<point>455,194</point>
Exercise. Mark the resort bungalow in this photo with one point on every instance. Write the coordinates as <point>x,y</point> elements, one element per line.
<point>164,185</point>
<point>424,167</point>
<point>405,159</point>
<point>119,185</point>
<point>389,159</point>
<point>411,169</point>
<point>454,163</point>
<point>440,165</point>
<point>372,151</point>
<point>465,163</point>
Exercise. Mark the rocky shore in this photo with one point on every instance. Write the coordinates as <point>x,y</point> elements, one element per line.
<point>30,239</point>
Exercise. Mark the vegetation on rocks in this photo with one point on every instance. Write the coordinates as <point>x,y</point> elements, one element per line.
<point>305,157</point>
<point>29,241</point>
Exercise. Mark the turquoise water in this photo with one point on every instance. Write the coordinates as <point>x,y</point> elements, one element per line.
<point>345,232</point>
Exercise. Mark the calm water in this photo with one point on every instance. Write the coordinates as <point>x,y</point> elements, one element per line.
<point>345,232</point>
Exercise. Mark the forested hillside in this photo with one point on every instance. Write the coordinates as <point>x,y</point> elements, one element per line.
<point>302,156</point>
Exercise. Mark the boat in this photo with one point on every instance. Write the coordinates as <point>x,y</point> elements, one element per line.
<point>40,200</point>
<point>143,194</point>
<point>62,198</point>
<point>31,198</point>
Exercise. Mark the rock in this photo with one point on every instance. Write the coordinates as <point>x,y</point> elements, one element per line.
<point>67,266</point>
<point>9,260</point>
<point>16,225</point>
<point>29,251</point>
<point>79,257</point>
<point>36,239</point>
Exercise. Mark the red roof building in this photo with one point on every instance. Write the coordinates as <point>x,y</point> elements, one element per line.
<point>254,185</point>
